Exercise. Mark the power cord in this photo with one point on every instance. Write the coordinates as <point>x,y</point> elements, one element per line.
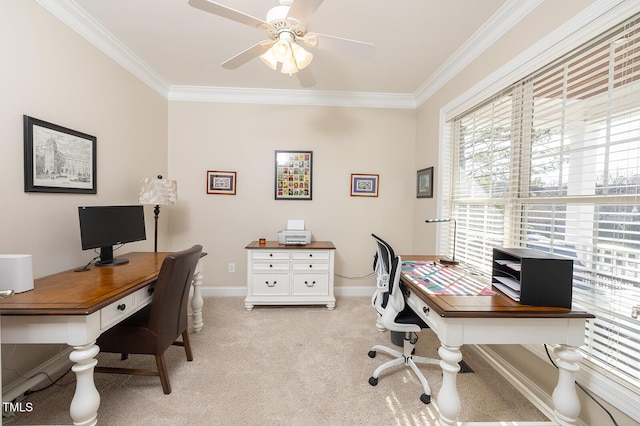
<point>53,382</point>
<point>356,278</point>
<point>586,392</point>
<point>86,267</point>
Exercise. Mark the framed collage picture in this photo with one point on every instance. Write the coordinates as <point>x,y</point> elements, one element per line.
<point>364,185</point>
<point>221,182</point>
<point>293,171</point>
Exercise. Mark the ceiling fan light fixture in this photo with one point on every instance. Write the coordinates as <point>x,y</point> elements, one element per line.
<point>302,57</point>
<point>289,66</point>
<point>269,59</point>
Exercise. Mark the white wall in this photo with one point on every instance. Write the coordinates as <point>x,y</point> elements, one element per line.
<point>49,72</point>
<point>243,138</point>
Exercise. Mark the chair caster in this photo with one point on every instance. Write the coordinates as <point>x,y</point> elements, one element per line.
<point>424,397</point>
<point>372,354</point>
<point>374,381</point>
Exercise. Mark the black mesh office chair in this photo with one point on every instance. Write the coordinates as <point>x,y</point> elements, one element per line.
<point>394,315</point>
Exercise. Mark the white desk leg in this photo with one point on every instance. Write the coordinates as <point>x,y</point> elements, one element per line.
<point>86,399</point>
<point>565,399</point>
<point>448,398</point>
<point>196,301</point>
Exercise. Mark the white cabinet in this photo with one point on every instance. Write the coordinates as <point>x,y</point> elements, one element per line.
<point>279,274</point>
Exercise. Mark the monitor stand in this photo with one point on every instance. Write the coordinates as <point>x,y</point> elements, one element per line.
<point>106,258</point>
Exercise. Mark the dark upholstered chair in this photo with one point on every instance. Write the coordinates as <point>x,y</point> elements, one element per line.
<point>153,329</point>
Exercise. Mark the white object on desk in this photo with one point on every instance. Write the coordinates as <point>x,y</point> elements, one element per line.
<point>16,272</point>
<point>295,234</point>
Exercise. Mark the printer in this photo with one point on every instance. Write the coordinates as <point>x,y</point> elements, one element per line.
<point>295,234</point>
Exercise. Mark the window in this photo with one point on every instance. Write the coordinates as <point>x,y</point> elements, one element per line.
<point>552,162</point>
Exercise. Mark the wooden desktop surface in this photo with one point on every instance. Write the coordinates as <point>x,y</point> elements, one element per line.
<point>499,306</point>
<point>82,293</point>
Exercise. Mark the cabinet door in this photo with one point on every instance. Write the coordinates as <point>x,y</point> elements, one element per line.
<point>311,284</point>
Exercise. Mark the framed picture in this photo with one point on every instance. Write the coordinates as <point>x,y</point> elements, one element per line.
<point>57,159</point>
<point>425,183</point>
<point>364,185</point>
<point>221,182</point>
<point>293,175</point>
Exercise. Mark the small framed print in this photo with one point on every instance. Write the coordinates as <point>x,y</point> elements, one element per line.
<point>221,182</point>
<point>58,159</point>
<point>293,175</point>
<point>424,183</point>
<point>364,185</point>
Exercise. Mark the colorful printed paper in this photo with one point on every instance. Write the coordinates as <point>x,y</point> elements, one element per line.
<point>434,278</point>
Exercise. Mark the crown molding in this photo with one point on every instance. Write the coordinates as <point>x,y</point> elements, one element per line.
<point>502,21</point>
<point>75,17</point>
<point>291,97</point>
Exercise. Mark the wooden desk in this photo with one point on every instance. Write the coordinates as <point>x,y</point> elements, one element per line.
<point>459,320</point>
<point>74,308</point>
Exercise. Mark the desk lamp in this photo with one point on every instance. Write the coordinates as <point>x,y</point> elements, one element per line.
<point>445,260</point>
<point>161,192</point>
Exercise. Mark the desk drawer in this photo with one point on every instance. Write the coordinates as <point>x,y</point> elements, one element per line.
<point>270,255</point>
<point>144,295</point>
<point>117,311</point>
<point>299,266</point>
<point>311,284</point>
<point>308,255</point>
<point>270,285</point>
<point>271,266</point>
<point>422,309</point>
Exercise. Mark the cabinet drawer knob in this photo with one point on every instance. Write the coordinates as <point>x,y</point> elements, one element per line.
<point>425,309</point>
<point>122,307</point>
<point>270,254</point>
<point>310,266</point>
<point>150,290</point>
<point>273,284</point>
<point>270,266</point>
<point>309,285</point>
<point>310,254</point>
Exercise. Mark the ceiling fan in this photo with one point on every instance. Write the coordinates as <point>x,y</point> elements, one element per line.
<point>286,26</point>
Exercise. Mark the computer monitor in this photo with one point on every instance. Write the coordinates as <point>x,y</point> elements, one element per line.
<point>102,227</point>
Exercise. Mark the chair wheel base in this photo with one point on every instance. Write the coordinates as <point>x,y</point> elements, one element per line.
<point>372,354</point>
<point>374,381</point>
<point>424,397</point>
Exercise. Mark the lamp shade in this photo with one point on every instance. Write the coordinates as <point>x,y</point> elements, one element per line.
<point>16,272</point>
<point>158,191</point>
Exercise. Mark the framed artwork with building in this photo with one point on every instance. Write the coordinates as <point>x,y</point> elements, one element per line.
<point>57,159</point>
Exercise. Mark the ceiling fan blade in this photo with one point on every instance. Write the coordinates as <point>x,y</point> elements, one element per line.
<point>306,78</point>
<point>227,12</point>
<point>303,10</point>
<point>338,44</point>
<point>247,55</point>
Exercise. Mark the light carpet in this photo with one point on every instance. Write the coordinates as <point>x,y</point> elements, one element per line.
<point>283,366</point>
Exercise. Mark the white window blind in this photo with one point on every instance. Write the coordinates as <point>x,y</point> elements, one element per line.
<point>553,163</point>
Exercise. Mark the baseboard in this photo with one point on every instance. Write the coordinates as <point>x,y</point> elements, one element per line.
<point>340,291</point>
<point>38,377</point>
